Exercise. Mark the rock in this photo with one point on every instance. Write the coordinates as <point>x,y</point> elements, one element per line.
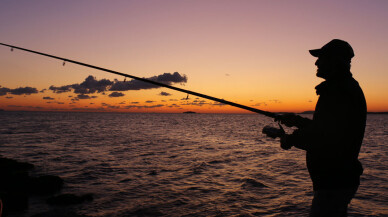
<point>10,165</point>
<point>46,184</point>
<point>59,213</point>
<point>69,199</point>
<point>14,201</point>
<point>14,180</point>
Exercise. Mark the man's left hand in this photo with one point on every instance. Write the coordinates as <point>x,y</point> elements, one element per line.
<point>284,142</point>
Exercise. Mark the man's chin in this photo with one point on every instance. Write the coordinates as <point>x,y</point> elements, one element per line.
<point>320,74</point>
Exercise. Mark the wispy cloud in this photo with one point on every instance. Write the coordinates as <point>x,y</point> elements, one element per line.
<point>28,107</point>
<point>140,107</point>
<point>260,104</point>
<point>197,103</point>
<point>116,94</point>
<point>274,101</point>
<point>85,96</point>
<point>165,94</point>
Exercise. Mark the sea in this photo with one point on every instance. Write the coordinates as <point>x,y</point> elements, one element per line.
<point>179,164</point>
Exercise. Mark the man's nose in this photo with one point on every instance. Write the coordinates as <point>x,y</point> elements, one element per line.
<point>317,62</point>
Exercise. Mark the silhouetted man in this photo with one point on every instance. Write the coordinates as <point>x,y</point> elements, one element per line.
<point>333,138</point>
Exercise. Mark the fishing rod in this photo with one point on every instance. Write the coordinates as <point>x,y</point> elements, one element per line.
<point>266,113</point>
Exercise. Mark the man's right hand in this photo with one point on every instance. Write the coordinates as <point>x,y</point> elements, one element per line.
<point>292,120</point>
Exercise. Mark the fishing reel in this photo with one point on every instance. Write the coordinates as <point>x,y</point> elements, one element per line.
<point>274,132</point>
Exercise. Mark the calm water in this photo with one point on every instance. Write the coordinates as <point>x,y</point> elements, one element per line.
<point>180,164</point>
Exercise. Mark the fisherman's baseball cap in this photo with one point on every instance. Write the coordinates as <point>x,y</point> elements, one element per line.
<point>335,47</point>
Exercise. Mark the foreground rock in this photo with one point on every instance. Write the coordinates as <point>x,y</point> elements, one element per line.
<point>16,184</point>
<point>59,213</point>
<point>69,199</point>
<point>45,184</point>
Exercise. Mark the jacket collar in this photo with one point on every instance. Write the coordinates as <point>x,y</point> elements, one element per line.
<point>332,84</point>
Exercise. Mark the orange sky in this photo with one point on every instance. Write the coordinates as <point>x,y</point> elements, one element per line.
<point>250,52</point>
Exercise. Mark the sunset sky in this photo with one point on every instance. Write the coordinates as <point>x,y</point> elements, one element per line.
<point>252,52</point>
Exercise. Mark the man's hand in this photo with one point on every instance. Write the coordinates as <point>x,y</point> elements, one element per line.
<point>285,142</point>
<point>292,120</point>
<point>274,132</point>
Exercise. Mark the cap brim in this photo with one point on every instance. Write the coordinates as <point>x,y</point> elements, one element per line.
<point>315,52</point>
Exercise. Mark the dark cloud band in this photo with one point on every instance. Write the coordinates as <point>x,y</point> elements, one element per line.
<point>92,85</point>
<point>18,91</point>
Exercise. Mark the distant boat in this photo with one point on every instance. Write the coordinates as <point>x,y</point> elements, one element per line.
<point>189,112</point>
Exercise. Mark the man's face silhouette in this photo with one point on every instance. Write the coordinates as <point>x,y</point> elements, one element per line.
<point>326,67</point>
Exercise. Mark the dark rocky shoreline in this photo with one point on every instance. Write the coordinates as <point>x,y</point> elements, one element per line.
<point>17,186</point>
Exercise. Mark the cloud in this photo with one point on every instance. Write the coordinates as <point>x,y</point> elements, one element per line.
<point>42,91</point>
<point>88,109</point>
<point>274,101</point>
<point>18,91</point>
<point>85,96</point>
<point>114,107</point>
<point>260,104</point>
<point>4,91</point>
<point>9,97</point>
<point>165,94</point>
<point>149,101</point>
<point>116,94</point>
<point>217,104</point>
<point>48,98</point>
<point>166,78</point>
<point>62,89</point>
<point>24,90</point>
<point>140,107</point>
<point>91,85</point>
<point>20,106</point>
<point>197,103</point>
<point>109,106</point>
<point>174,106</point>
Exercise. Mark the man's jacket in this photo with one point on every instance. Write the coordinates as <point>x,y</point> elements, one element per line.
<point>334,137</point>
